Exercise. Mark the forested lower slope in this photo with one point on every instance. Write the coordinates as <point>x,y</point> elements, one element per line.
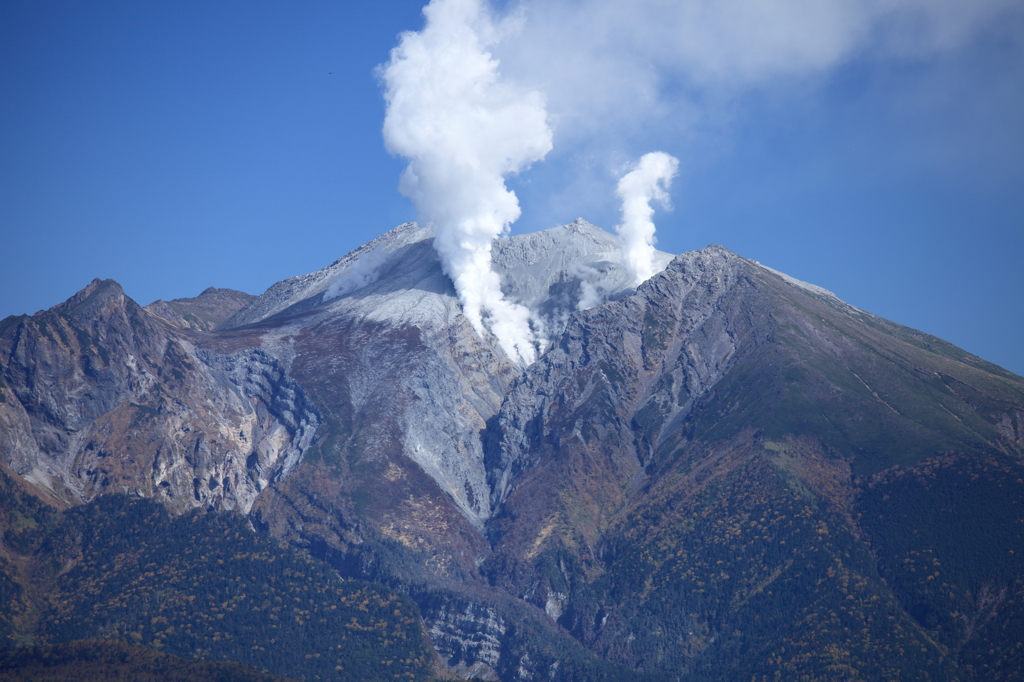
<point>202,585</point>
<point>111,661</point>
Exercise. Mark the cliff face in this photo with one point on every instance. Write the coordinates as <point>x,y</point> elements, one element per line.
<point>718,475</point>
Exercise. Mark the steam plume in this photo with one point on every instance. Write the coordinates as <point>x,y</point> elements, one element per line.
<point>463,130</point>
<point>649,181</point>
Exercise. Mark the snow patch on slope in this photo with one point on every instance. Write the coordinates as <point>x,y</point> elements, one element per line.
<point>810,288</point>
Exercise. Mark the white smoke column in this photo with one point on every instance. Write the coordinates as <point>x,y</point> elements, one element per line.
<point>648,182</point>
<point>463,130</point>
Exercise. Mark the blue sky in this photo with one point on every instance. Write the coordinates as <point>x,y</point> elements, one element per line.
<point>174,146</point>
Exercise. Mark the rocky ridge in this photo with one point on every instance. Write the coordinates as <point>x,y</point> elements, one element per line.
<point>203,313</point>
<point>102,396</point>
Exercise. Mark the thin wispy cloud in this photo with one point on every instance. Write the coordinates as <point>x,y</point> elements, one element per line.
<point>601,61</point>
<point>621,78</point>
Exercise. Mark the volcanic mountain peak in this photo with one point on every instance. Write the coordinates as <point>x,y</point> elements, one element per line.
<point>384,322</point>
<point>397,279</point>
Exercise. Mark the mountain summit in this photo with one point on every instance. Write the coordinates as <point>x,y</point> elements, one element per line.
<point>722,474</point>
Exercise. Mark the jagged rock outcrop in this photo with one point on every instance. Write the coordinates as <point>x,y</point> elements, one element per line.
<point>609,365</point>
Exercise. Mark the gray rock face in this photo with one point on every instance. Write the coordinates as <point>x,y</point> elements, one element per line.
<point>282,420</point>
<point>389,254</point>
<point>468,637</point>
<point>556,272</point>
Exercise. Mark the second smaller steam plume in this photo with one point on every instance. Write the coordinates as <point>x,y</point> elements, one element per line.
<point>648,182</point>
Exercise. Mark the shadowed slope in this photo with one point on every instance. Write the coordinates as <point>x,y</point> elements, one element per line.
<point>687,457</point>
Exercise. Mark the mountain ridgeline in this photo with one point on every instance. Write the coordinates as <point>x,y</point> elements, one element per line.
<point>722,474</point>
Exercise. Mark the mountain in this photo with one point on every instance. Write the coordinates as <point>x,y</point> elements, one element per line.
<point>722,474</point>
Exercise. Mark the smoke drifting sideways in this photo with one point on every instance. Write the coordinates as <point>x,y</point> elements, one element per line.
<point>363,272</point>
<point>648,182</point>
<point>464,130</point>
